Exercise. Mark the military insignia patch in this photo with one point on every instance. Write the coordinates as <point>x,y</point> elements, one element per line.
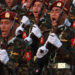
<point>28,56</point>
<point>73,41</point>
<point>7,15</point>
<point>59,4</point>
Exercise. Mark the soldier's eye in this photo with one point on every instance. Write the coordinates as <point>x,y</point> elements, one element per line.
<point>7,22</point>
<point>57,11</point>
<point>1,23</point>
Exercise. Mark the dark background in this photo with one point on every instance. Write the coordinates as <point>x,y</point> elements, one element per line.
<point>3,1</point>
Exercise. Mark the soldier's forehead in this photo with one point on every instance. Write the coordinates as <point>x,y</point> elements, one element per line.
<point>57,8</point>
<point>5,20</point>
<point>38,2</point>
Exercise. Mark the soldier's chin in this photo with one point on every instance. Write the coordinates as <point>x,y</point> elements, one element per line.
<point>54,23</point>
<point>9,5</point>
<point>4,36</point>
<point>36,15</point>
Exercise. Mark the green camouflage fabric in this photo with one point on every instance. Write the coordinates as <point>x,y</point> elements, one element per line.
<point>44,24</point>
<point>64,54</point>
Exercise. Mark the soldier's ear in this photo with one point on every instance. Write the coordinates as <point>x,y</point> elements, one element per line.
<point>62,19</point>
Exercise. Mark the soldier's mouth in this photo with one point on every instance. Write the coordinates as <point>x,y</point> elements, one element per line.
<point>53,19</point>
<point>35,12</point>
<point>9,3</point>
<point>3,31</point>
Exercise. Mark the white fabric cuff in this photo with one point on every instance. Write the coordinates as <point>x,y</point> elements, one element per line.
<point>20,28</point>
<point>53,39</point>
<point>29,40</point>
<point>4,56</point>
<point>36,31</point>
<point>67,22</point>
<point>39,54</point>
<point>25,20</point>
<point>73,2</point>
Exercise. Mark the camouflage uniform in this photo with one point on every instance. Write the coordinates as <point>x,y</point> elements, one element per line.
<point>58,55</point>
<point>64,54</point>
<point>65,34</point>
<point>44,26</point>
<point>4,44</point>
<point>15,7</point>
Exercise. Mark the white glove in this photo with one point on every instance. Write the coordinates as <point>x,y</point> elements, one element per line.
<point>20,28</point>
<point>36,31</point>
<point>54,40</point>
<point>40,54</point>
<point>25,20</point>
<point>4,56</point>
<point>29,40</point>
<point>73,2</point>
<point>67,23</point>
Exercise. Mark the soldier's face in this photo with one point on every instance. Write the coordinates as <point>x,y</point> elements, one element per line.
<point>5,25</point>
<point>9,2</point>
<point>54,15</point>
<point>28,4</point>
<point>36,8</point>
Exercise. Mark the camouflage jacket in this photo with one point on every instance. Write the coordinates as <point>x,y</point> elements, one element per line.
<point>65,54</point>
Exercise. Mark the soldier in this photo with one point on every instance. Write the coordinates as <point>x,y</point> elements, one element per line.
<point>25,21</point>
<point>26,8</point>
<point>33,17</point>
<point>12,5</point>
<point>59,40</point>
<point>8,25</point>
<point>40,11</point>
<point>8,21</point>
<point>27,4</point>
<point>39,23</point>
<point>40,20</point>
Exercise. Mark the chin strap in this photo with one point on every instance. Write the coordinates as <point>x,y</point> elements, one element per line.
<point>12,26</point>
<point>61,13</point>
